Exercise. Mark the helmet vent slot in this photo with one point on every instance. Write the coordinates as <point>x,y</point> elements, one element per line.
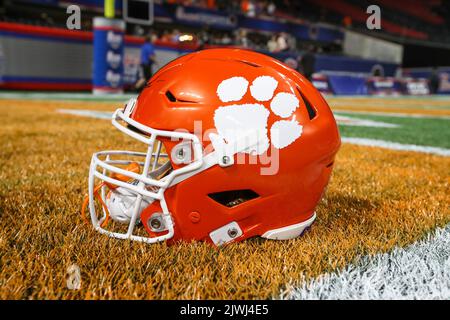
<point>170,96</point>
<point>233,198</point>
<point>311,110</point>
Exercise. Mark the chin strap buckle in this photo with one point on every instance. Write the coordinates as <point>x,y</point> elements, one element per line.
<point>225,156</point>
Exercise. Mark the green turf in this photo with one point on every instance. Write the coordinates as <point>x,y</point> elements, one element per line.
<point>65,96</point>
<point>419,131</point>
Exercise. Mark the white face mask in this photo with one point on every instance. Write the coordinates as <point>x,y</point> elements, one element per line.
<point>126,197</point>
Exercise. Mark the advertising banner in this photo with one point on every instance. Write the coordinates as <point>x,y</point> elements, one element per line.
<point>416,87</point>
<point>444,81</point>
<point>320,81</point>
<point>108,55</point>
<point>384,86</point>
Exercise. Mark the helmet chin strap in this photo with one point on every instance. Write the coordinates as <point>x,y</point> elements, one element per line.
<point>120,203</point>
<point>132,167</point>
<point>118,198</point>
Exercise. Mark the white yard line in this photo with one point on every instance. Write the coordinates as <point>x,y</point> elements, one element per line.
<point>358,122</point>
<point>419,271</point>
<point>397,146</point>
<point>65,96</point>
<point>362,97</point>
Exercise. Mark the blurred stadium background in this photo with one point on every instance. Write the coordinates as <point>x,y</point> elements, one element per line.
<point>387,88</point>
<point>410,55</point>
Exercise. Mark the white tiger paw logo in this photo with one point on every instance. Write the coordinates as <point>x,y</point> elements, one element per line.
<point>235,120</point>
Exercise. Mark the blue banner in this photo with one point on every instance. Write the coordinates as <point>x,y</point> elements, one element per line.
<point>384,86</point>
<point>262,24</point>
<point>108,55</point>
<point>348,85</point>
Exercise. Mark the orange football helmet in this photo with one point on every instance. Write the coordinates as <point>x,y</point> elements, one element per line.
<point>237,145</point>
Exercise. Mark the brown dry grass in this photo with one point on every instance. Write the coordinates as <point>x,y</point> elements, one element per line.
<point>377,199</point>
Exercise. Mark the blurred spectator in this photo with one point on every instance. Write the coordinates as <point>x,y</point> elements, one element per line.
<point>147,60</point>
<point>434,81</point>
<point>308,62</point>
<point>248,7</point>
<point>272,44</point>
<point>47,20</point>
<point>271,7</point>
<point>138,30</point>
<point>242,39</point>
<point>291,41</point>
<point>204,37</point>
<point>226,40</point>
<point>291,62</point>
<point>282,42</point>
<point>175,36</point>
<point>347,21</point>
<point>165,37</point>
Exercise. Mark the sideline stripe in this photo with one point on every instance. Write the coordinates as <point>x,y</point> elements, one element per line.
<point>419,271</point>
<point>396,146</point>
<point>358,122</point>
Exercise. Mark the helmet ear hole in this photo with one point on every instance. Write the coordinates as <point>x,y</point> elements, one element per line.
<point>233,198</point>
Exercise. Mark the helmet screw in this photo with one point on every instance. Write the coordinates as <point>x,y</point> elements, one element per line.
<point>225,159</point>
<point>180,154</point>
<point>155,223</point>
<point>233,232</point>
